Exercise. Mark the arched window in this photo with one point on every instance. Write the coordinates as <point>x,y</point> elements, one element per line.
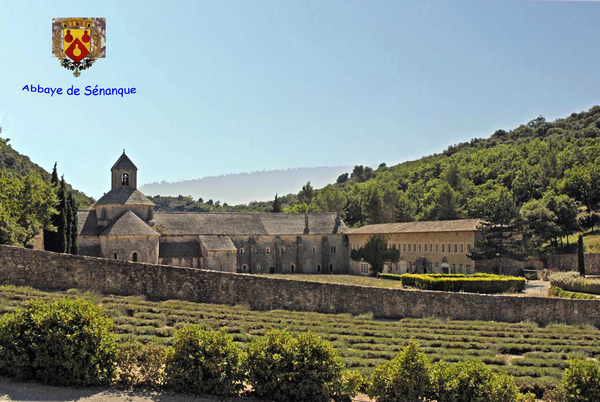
<point>258,268</point>
<point>244,268</point>
<point>241,250</point>
<point>319,268</point>
<point>125,179</point>
<point>221,267</point>
<point>282,250</point>
<point>268,250</point>
<point>115,255</point>
<point>134,256</point>
<point>330,267</point>
<point>293,266</point>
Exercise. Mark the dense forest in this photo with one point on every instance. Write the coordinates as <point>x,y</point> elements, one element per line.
<point>189,204</point>
<point>13,164</point>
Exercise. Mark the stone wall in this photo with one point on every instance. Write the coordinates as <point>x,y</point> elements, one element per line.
<point>567,262</point>
<point>52,271</point>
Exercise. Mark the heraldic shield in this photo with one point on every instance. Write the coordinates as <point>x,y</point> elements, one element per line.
<point>77,43</point>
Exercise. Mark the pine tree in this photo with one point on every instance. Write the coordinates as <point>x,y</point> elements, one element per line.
<point>276,205</point>
<point>580,256</point>
<point>51,238</point>
<point>62,211</point>
<point>74,225</point>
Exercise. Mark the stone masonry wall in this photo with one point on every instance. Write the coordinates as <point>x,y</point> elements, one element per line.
<point>567,262</point>
<point>52,271</point>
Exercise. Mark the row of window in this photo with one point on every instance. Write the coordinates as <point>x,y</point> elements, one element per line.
<point>258,268</point>
<point>426,248</point>
<point>365,268</point>
<point>268,250</point>
<point>134,256</point>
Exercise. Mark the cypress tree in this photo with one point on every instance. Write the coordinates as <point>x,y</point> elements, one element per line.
<point>69,218</point>
<point>51,238</point>
<point>62,211</point>
<point>580,256</point>
<point>276,205</point>
<point>74,225</point>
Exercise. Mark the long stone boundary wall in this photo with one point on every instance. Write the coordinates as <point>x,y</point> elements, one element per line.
<point>567,262</point>
<point>53,271</point>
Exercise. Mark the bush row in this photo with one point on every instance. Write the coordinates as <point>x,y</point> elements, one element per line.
<point>68,342</point>
<point>558,292</point>
<point>573,282</point>
<point>477,283</point>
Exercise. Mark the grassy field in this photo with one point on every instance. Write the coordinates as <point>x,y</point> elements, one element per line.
<point>341,279</point>
<point>535,356</point>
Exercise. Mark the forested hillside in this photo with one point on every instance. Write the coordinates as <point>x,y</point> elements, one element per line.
<point>14,164</point>
<point>548,171</point>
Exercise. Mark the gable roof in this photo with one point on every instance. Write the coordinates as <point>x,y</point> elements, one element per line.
<point>129,224</point>
<point>217,243</point>
<point>123,163</point>
<point>459,225</point>
<point>124,196</point>
<point>87,223</point>
<point>195,223</point>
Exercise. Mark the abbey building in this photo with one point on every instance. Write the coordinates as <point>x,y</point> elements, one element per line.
<point>122,225</point>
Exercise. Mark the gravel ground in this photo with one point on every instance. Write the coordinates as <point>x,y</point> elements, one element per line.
<point>11,390</point>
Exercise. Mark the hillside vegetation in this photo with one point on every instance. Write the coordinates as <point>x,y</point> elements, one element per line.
<point>14,164</point>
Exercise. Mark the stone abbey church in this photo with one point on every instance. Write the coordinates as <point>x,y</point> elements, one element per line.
<point>123,225</point>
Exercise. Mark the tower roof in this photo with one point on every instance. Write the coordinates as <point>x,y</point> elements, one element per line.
<point>129,225</point>
<point>124,196</point>
<point>124,163</point>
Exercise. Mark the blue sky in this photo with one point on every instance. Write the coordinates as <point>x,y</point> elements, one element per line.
<point>240,86</point>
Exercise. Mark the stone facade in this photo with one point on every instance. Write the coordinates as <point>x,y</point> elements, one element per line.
<point>54,271</point>
<point>122,225</point>
<point>425,247</point>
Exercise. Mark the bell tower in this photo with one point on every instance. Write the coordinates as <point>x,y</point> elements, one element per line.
<point>124,174</point>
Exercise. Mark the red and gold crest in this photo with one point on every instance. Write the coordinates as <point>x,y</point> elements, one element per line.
<point>77,43</point>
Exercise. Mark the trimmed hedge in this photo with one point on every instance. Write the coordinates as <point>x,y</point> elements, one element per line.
<point>558,292</point>
<point>573,282</point>
<point>476,283</point>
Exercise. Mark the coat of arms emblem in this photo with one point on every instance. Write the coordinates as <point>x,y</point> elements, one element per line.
<point>78,42</point>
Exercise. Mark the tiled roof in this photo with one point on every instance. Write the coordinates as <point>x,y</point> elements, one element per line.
<point>129,224</point>
<point>217,243</point>
<point>88,223</point>
<point>185,249</point>
<point>124,163</point>
<point>459,225</point>
<point>246,223</point>
<point>124,196</point>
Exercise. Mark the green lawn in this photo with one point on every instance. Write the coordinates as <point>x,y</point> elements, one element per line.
<point>535,356</point>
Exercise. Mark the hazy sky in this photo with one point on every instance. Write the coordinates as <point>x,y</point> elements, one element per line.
<point>226,87</point>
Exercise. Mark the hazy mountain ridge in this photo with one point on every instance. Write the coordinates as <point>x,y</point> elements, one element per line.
<point>242,188</point>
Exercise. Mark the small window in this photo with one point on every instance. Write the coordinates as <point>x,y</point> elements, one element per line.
<point>319,268</point>
<point>431,248</point>
<point>437,248</point>
<point>134,257</point>
<point>292,267</point>
<point>469,269</point>
<point>404,247</point>
<point>221,267</point>
<point>268,250</point>
<point>241,250</point>
<point>409,247</point>
<point>364,268</point>
<point>103,213</point>
<point>455,248</point>
<point>282,250</point>
<point>460,271</point>
<point>415,247</point>
<point>394,246</point>
<point>244,268</point>
<point>443,248</point>
<point>468,248</point>
<point>330,267</point>
<point>125,179</point>
<point>419,248</point>
<point>115,256</point>
<point>258,268</point>
<point>314,249</point>
<point>449,248</point>
<point>462,248</point>
<point>437,265</point>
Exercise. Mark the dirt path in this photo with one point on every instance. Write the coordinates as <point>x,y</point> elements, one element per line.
<point>11,390</point>
<point>537,288</point>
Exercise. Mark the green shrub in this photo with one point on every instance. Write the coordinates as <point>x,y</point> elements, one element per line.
<point>571,281</point>
<point>205,362</point>
<point>141,364</point>
<point>558,292</point>
<point>581,383</point>
<point>347,386</point>
<point>476,283</point>
<point>473,381</point>
<point>406,378</point>
<point>64,342</point>
<point>306,368</point>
